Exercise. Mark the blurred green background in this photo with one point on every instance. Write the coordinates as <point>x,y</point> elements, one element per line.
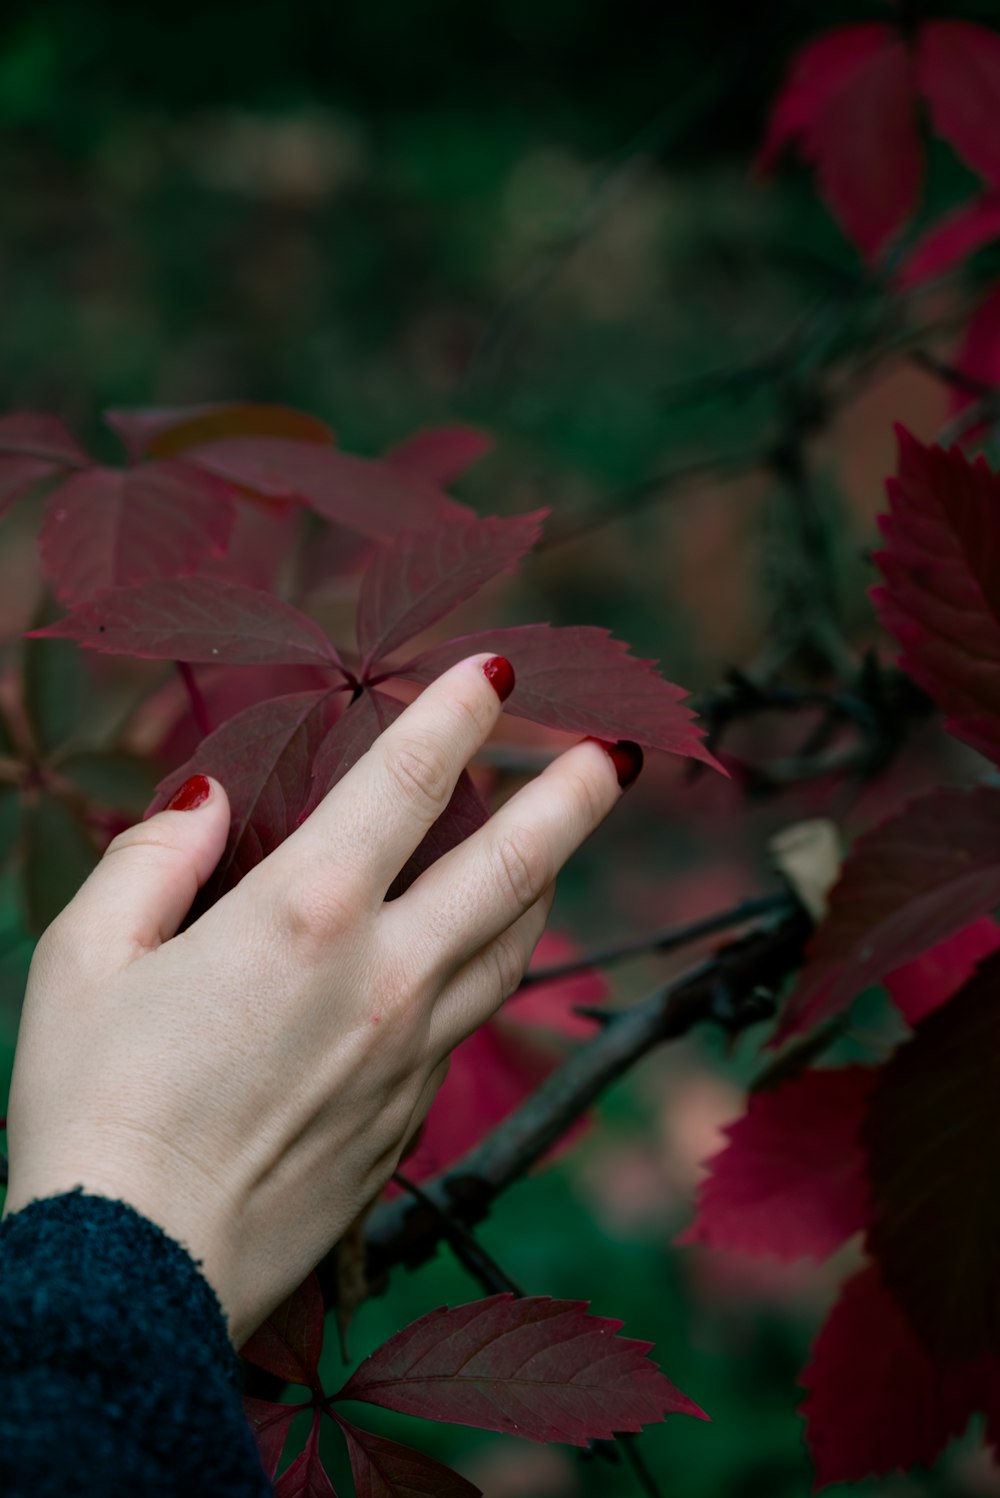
<point>541,218</point>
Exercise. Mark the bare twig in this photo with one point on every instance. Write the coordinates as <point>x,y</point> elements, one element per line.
<point>198,705</point>
<point>686,477</point>
<point>729,989</point>
<point>662,941</point>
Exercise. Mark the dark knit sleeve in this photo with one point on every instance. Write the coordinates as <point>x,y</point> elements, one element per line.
<point>116,1372</point>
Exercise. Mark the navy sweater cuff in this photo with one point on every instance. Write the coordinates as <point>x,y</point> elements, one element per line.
<point>116,1371</point>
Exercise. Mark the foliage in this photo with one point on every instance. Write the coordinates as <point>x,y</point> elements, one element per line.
<point>207,555</point>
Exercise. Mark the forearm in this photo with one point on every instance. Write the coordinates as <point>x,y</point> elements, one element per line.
<point>116,1371</point>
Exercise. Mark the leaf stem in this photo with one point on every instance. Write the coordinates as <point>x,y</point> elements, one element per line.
<point>199,708</point>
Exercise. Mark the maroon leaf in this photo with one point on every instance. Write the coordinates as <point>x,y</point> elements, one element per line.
<point>958,67</point>
<point>384,1469</point>
<point>167,430</point>
<point>422,575</point>
<point>791,1180</point>
<point>913,882</point>
<point>306,1478</point>
<point>953,240</point>
<point>933,1141</point>
<point>439,454</point>
<point>538,1368</point>
<point>553,1004</point>
<point>491,1074</point>
<point>370,496</point>
<point>111,527</point>
<point>582,681</point>
<point>34,434</point>
<point>941,595</point>
<point>923,985</point>
<point>195,619</point>
<point>264,758</point>
<point>979,354</point>
<point>877,1400</point>
<point>353,734</point>
<point>849,107</point>
<point>291,1339</point>
<point>270,1424</point>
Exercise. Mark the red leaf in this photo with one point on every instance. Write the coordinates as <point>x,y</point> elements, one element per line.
<point>264,757</point>
<point>933,1141</point>
<point>923,985</point>
<point>352,736</point>
<point>791,1181</point>
<point>877,1401</point>
<point>306,1478</point>
<point>270,1424</point>
<point>551,1005</point>
<point>913,882</point>
<point>953,240</point>
<point>439,454</point>
<point>849,106</point>
<point>491,1073</point>
<point>34,434</point>
<point>384,1469</point>
<point>538,1368</point>
<point>582,681</point>
<point>941,595</point>
<point>291,1339</point>
<point>958,66</point>
<point>422,575</point>
<point>979,355</point>
<point>167,430</point>
<point>370,496</point>
<point>111,527</point>
<point>195,619</point>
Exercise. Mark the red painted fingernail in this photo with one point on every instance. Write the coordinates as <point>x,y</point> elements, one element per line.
<point>500,674</point>
<point>626,758</point>
<point>194,792</point>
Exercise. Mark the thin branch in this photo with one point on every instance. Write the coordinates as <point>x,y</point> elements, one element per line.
<point>198,705</point>
<point>733,989</point>
<point>952,376</point>
<point>466,1247</point>
<point>663,941</point>
<point>724,468</point>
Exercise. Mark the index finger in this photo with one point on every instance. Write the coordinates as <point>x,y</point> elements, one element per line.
<point>378,814</point>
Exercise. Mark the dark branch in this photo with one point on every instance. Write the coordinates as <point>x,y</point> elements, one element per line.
<point>732,989</point>
<point>663,941</point>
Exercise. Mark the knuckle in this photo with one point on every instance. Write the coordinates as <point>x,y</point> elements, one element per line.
<point>312,915</point>
<point>508,959</point>
<point>418,771</point>
<point>588,798</point>
<point>522,866</point>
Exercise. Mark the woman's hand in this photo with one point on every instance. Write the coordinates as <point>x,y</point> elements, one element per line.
<point>250,1083</point>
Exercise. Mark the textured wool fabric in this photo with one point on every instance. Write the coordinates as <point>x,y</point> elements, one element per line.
<point>116,1373</point>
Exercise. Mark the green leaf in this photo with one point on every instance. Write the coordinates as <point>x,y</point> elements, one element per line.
<point>112,778</point>
<point>10,810</point>
<point>59,854</point>
<point>53,690</point>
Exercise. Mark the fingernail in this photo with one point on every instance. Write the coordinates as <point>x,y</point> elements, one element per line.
<point>626,757</point>
<point>500,674</point>
<point>194,792</point>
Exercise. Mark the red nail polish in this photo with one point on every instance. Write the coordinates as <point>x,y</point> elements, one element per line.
<point>626,757</point>
<point>500,674</point>
<point>193,792</point>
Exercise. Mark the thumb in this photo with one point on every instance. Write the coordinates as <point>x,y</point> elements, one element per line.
<point>146,882</point>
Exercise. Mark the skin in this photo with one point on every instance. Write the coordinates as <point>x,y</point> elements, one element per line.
<point>250,1083</point>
